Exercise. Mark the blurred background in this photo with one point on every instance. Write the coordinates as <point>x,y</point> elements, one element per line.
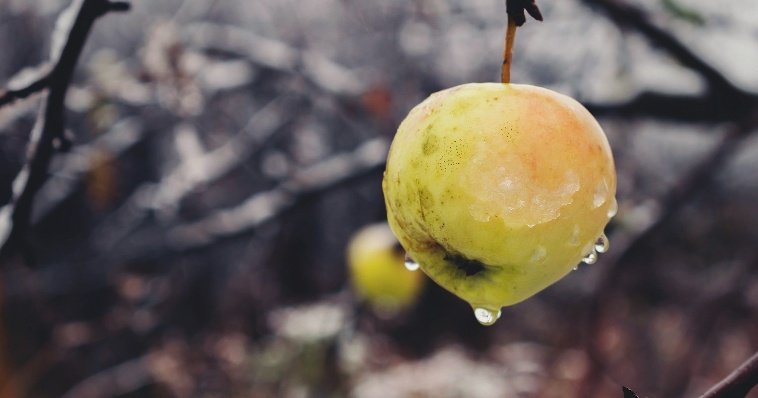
<point>193,241</point>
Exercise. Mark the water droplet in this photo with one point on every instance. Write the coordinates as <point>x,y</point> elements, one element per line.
<point>538,255</point>
<point>574,239</point>
<point>613,208</point>
<point>602,243</point>
<point>410,264</point>
<point>576,267</point>
<point>486,317</point>
<point>601,194</point>
<point>591,257</point>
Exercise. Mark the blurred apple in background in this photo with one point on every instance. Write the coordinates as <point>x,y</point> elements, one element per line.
<point>377,272</point>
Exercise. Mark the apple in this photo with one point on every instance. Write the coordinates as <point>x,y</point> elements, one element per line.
<point>499,190</point>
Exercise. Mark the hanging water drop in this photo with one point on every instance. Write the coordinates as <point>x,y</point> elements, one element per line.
<point>486,317</point>
<point>576,267</point>
<point>410,264</point>
<point>613,208</point>
<point>602,243</point>
<point>591,257</point>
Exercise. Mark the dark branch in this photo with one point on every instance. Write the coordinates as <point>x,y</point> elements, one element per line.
<point>10,96</point>
<point>119,6</point>
<point>48,132</point>
<point>708,108</point>
<point>738,383</point>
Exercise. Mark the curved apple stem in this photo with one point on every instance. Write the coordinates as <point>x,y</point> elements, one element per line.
<point>510,38</point>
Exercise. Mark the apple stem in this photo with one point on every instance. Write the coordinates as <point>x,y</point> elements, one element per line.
<point>510,38</point>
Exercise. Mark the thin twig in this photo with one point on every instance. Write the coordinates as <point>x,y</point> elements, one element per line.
<point>517,10</point>
<point>49,128</point>
<point>10,96</point>
<point>510,38</point>
<point>738,383</point>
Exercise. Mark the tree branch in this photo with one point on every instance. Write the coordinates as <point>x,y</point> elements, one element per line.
<point>708,108</point>
<point>738,383</point>
<point>48,132</point>
<point>628,15</point>
<point>11,95</point>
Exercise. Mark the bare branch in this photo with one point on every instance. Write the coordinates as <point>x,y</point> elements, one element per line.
<point>738,383</point>
<point>707,108</point>
<point>12,95</point>
<point>48,133</point>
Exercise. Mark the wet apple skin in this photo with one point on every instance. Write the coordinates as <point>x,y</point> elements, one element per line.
<point>495,189</point>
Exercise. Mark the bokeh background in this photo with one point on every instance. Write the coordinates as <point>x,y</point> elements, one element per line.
<point>192,241</point>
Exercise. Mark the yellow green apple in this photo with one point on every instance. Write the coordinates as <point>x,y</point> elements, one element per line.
<point>499,190</point>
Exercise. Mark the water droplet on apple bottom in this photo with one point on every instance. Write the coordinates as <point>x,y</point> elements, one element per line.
<point>591,257</point>
<point>410,264</point>
<point>486,317</point>
<point>602,243</point>
<point>613,208</point>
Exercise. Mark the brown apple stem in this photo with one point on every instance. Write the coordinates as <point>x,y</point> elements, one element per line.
<point>510,38</point>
